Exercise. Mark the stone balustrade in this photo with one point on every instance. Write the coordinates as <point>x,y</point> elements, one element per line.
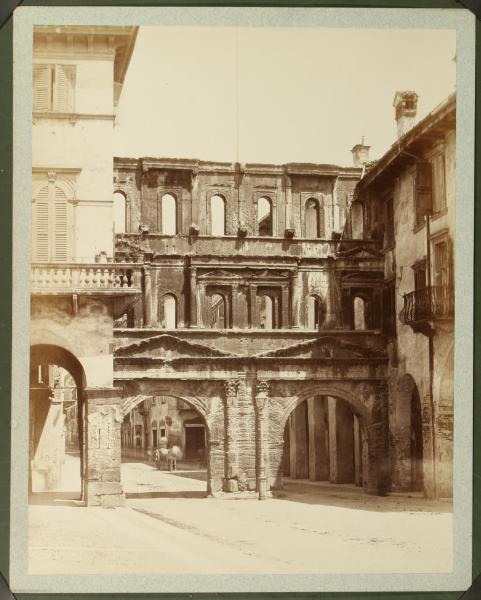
<point>87,278</point>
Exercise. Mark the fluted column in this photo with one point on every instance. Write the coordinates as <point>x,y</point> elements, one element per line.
<point>231,454</point>
<point>193,296</point>
<point>296,286</point>
<point>253,307</point>
<point>333,302</point>
<point>261,401</point>
<point>147,297</point>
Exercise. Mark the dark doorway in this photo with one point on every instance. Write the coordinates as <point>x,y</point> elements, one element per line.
<point>194,441</point>
<point>417,477</point>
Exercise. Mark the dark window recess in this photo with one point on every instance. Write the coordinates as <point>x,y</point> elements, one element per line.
<point>389,310</point>
<point>420,275</point>
<point>389,231</point>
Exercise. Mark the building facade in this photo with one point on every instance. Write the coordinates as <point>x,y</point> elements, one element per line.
<point>407,201</point>
<point>76,291</point>
<point>259,301</point>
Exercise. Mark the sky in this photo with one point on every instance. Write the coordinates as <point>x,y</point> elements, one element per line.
<point>276,95</point>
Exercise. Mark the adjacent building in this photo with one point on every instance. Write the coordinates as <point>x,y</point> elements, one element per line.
<point>407,201</point>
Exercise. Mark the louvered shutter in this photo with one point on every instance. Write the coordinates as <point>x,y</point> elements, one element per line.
<point>424,193</point>
<point>42,86</point>
<point>64,88</point>
<point>439,184</point>
<point>60,233</point>
<point>40,225</point>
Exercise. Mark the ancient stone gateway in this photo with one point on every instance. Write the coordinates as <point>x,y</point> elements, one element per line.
<point>245,400</point>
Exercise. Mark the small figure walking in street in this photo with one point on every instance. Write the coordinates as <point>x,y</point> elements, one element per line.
<point>174,453</point>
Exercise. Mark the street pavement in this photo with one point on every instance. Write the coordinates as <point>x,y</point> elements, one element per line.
<point>169,526</point>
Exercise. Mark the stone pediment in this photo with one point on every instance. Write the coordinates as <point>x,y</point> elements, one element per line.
<point>328,347</point>
<point>168,347</point>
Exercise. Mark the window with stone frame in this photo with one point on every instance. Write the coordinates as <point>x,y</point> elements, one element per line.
<point>441,261</point>
<point>53,88</point>
<point>51,223</point>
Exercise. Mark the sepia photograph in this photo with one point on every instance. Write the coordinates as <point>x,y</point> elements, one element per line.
<point>244,250</point>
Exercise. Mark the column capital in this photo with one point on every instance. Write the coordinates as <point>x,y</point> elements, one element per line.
<point>262,394</point>
<point>231,386</point>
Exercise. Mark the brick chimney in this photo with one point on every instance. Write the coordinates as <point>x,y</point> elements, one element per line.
<point>406,106</point>
<point>360,154</point>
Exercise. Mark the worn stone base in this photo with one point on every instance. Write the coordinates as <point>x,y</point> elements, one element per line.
<point>107,495</point>
<point>245,495</point>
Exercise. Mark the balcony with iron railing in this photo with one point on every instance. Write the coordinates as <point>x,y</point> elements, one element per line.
<point>426,305</point>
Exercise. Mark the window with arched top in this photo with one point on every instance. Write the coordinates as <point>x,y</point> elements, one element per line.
<point>217,312</point>
<point>315,219</point>
<point>264,216</point>
<point>168,221</point>
<point>170,311</point>
<point>217,215</point>
<point>314,312</point>
<point>359,313</point>
<point>51,224</point>
<point>120,212</point>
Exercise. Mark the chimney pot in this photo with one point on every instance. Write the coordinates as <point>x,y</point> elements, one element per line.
<point>360,154</point>
<point>406,106</point>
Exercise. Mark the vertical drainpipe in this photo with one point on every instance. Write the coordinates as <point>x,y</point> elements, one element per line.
<point>431,352</point>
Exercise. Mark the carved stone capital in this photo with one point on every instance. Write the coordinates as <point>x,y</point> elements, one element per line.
<point>262,395</point>
<point>231,386</point>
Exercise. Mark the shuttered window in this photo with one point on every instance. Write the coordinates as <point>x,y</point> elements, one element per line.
<point>50,225</point>
<point>439,183</point>
<point>423,193</point>
<point>53,88</point>
<point>42,88</point>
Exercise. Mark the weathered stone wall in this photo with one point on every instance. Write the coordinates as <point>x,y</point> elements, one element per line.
<point>102,430</point>
<point>193,183</point>
<point>86,334</point>
<point>409,371</point>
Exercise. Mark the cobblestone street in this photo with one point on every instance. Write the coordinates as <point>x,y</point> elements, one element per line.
<point>169,527</point>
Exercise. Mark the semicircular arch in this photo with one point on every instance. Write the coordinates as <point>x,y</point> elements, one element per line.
<point>337,392</point>
<point>166,390</point>
<point>57,355</point>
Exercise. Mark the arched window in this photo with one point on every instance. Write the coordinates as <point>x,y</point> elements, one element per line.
<point>267,320</point>
<point>170,311</point>
<point>217,312</point>
<point>359,313</point>
<point>314,217</point>
<point>169,215</point>
<point>120,215</point>
<point>217,215</point>
<point>264,216</point>
<point>314,317</point>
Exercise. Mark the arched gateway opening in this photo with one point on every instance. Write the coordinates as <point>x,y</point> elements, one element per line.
<point>56,424</point>
<point>325,440</point>
<point>163,448</point>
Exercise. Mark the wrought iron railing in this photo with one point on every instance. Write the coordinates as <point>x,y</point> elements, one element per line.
<point>428,304</point>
